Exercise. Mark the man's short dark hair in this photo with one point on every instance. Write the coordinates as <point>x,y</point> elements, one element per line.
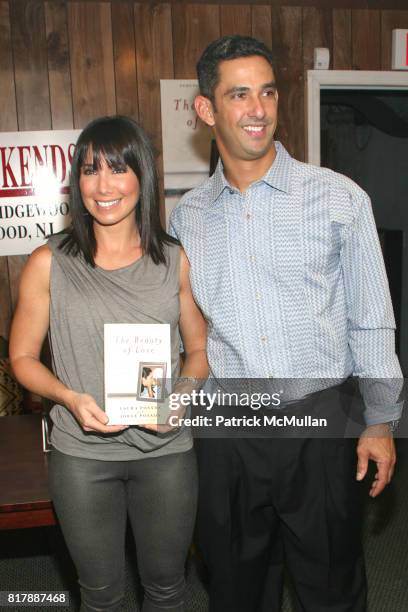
<point>222,49</point>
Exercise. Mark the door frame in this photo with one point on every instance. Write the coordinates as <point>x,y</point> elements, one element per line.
<point>341,79</point>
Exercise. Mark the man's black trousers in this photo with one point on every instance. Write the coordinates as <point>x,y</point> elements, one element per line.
<point>269,503</point>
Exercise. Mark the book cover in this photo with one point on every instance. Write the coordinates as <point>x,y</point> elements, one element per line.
<point>137,372</point>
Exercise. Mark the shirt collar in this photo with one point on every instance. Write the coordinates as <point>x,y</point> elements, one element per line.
<point>278,176</point>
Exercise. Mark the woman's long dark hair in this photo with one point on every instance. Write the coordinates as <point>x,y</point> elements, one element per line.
<point>121,142</point>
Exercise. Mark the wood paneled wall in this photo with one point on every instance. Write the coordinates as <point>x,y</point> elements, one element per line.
<point>64,63</point>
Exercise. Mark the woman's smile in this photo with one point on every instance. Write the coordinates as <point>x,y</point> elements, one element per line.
<point>108,203</point>
<point>109,194</point>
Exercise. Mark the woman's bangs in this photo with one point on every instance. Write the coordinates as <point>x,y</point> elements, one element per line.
<point>102,153</point>
<point>107,145</point>
<point>113,155</point>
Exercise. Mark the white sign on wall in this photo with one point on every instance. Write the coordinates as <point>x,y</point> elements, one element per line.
<point>400,49</point>
<point>34,187</point>
<point>186,140</point>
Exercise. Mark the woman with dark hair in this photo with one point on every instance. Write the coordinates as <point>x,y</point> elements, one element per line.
<point>115,265</point>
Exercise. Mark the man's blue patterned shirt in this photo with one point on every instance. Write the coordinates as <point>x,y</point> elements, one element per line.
<point>290,276</point>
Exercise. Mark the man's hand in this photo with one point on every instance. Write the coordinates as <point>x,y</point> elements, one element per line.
<point>376,443</point>
<point>172,412</point>
<point>175,417</point>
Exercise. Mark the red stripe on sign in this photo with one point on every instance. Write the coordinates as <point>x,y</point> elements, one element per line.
<point>406,49</point>
<point>18,193</point>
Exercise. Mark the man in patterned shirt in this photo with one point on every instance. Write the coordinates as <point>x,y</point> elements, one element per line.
<point>287,269</point>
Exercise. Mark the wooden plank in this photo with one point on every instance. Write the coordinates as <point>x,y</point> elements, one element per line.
<point>30,62</point>
<point>91,53</point>
<point>154,62</point>
<point>56,24</point>
<point>342,59</point>
<point>262,24</point>
<point>317,32</point>
<point>366,40</point>
<point>8,117</point>
<point>154,58</point>
<point>287,48</point>
<point>124,58</point>
<point>390,20</point>
<point>235,19</point>
<point>387,4</point>
<point>8,122</point>
<point>194,27</point>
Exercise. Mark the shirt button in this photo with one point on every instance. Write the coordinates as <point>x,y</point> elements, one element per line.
<point>263,338</point>
<point>252,258</point>
<point>231,191</point>
<point>248,216</point>
<point>258,296</point>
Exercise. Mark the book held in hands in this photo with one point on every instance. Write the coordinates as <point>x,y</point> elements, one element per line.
<point>137,372</point>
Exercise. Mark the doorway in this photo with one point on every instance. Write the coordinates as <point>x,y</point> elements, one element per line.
<point>360,129</point>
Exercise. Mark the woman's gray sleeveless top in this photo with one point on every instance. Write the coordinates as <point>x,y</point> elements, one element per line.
<point>82,300</point>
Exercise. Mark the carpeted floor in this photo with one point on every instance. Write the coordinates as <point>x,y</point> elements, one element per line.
<point>36,559</point>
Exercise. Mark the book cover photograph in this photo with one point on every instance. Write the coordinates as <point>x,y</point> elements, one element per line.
<point>137,372</point>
